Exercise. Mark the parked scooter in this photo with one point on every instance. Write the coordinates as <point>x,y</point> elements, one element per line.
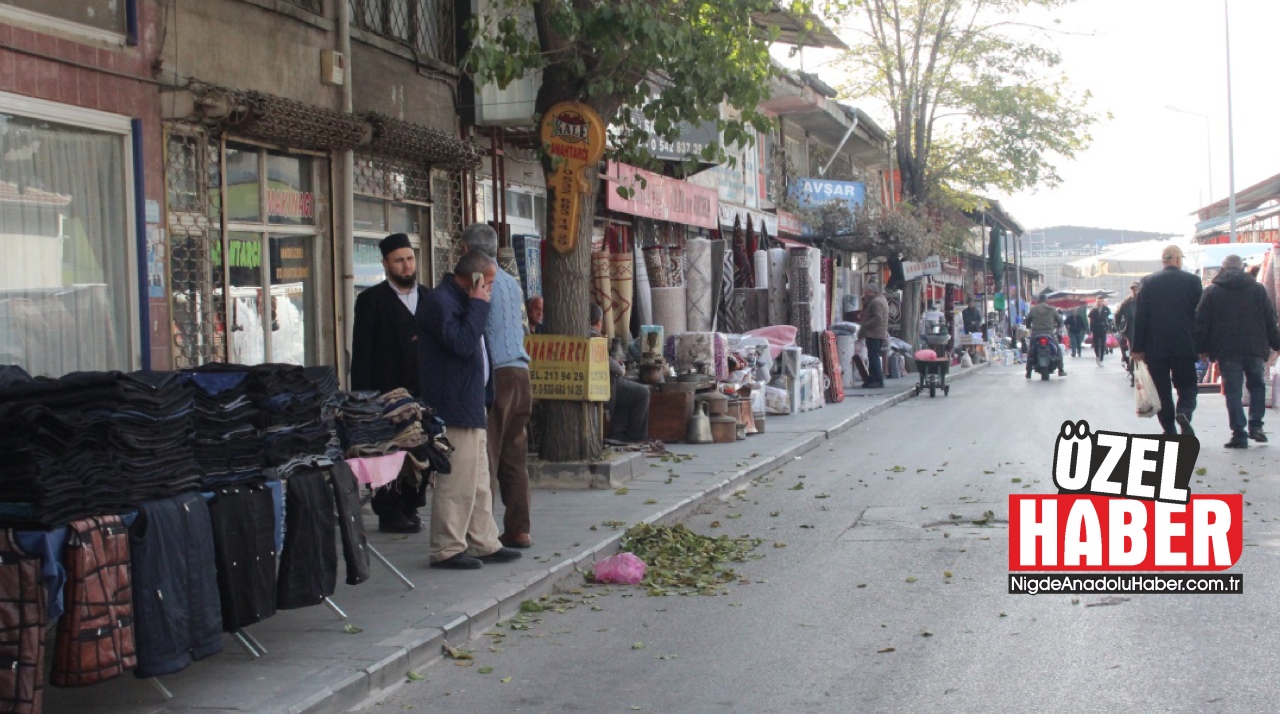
<point>1044,356</point>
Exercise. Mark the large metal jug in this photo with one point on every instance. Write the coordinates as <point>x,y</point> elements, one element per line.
<point>699,431</point>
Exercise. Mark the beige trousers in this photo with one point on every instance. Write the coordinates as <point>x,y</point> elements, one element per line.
<point>462,503</point>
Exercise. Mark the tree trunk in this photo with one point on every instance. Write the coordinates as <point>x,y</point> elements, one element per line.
<point>570,431</point>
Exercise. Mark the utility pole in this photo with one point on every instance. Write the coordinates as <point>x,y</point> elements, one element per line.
<point>1231,149</point>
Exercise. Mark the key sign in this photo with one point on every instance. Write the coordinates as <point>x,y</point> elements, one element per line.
<point>574,136</point>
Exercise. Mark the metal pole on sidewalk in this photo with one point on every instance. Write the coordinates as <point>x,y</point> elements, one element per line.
<point>1231,149</point>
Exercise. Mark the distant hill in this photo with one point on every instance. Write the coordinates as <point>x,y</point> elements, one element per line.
<point>1080,236</point>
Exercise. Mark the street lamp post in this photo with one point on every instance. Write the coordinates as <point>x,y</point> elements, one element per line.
<point>1208,143</point>
<point>1231,149</point>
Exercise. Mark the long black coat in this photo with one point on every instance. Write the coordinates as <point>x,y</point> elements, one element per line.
<point>1235,319</point>
<point>384,344</point>
<point>1165,316</point>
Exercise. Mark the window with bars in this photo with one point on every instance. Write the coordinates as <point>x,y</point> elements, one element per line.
<point>426,26</point>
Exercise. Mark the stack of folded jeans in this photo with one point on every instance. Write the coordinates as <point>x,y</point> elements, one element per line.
<point>228,443</point>
<point>92,443</point>
<point>290,417</point>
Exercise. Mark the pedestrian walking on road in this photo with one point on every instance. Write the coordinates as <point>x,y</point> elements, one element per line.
<point>1236,325</point>
<point>1099,320</point>
<point>1163,337</point>
<point>1076,322</point>
<point>1124,328</point>
<point>512,393</point>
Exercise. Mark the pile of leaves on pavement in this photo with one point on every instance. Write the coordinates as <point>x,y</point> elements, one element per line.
<point>682,562</point>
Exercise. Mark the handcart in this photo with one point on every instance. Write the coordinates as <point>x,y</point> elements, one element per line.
<point>933,376</point>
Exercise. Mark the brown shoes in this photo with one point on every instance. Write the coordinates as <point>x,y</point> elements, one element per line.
<point>516,540</point>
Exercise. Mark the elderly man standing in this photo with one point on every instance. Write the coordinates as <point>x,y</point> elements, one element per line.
<point>1163,337</point>
<point>454,376</point>
<point>513,393</point>
<point>1236,325</point>
<point>875,331</point>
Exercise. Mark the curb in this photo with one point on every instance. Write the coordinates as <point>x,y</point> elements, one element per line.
<point>420,646</point>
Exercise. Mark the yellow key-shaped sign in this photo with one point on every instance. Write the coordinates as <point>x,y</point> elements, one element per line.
<point>573,134</point>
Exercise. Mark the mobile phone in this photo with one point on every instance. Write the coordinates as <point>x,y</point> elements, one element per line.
<point>477,279</point>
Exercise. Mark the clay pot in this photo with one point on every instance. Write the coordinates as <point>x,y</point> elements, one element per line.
<point>651,374</point>
<point>717,403</point>
<point>724,429</point>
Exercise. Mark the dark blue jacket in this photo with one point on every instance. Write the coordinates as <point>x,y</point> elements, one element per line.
<point>451,368</point>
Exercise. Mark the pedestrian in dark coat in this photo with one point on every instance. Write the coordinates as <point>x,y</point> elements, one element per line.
<point>384,357</point>
<point>1099,322</point>
<point>384,345</point>
<point>1236,325</point>
<point>1163,338</point>
<point>875,332</point>
<point>455,374</point>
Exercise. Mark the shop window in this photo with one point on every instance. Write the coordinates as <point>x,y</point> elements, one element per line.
<point>375,219</point>
<point>66,301</point>
<point>390,198</point>
<point>271,298</point>
<point>106,15</point>
<point>519,205</point>
<point>424,25</point>
<point>242,184</point>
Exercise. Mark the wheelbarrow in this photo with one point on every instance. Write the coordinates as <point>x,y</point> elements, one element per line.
<point>933,376</point>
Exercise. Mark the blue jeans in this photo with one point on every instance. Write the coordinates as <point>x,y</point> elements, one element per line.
<point>1235,374</point>
<point>874,370</point>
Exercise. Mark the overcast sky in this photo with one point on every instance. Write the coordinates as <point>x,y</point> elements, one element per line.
<point>1148,166</point>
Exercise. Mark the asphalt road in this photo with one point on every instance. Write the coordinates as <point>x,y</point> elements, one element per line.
<point>871,595</point>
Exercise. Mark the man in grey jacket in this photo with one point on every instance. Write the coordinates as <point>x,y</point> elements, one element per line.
<point>875,331</point>
<point>1236,325</point>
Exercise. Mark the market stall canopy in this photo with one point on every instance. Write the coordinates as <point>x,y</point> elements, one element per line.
<point>1071,299</point>
<point>1132,259</point>
<point>1143,258</point>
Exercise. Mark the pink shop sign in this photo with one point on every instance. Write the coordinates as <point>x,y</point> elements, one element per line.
<point>662,198</point>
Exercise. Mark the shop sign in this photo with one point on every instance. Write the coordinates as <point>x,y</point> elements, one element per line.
<point>816,191</point>
<point>789,223</point>
<point>568,368</point>
<point>288,203</point>
<point>690,142</point>
<point>244,253</point>
<point>912,269</point>
<point>291,265</point>
<point>573,134</point>
<point>656,196</point>
<point>729,211</point>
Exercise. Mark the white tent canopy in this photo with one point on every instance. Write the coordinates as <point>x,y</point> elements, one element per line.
<point>1143,258</point>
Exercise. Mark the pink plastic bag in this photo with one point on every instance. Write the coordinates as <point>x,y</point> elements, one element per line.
<point>623,568</point>
<point>926,354</point>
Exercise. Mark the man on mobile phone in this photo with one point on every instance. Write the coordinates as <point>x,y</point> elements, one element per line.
<point>454,377</point>
<point>512,393</point>
<point>384,357</point>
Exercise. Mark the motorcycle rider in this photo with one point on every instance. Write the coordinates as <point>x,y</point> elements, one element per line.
<point>1043,319</point>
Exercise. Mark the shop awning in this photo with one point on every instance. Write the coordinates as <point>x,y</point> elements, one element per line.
<point>1222,224</point>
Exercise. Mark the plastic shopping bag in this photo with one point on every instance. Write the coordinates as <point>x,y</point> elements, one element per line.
<point>623,568</point>
<point>1147,401</point>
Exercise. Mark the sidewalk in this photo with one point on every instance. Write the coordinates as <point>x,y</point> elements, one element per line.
<point>313,664</point>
